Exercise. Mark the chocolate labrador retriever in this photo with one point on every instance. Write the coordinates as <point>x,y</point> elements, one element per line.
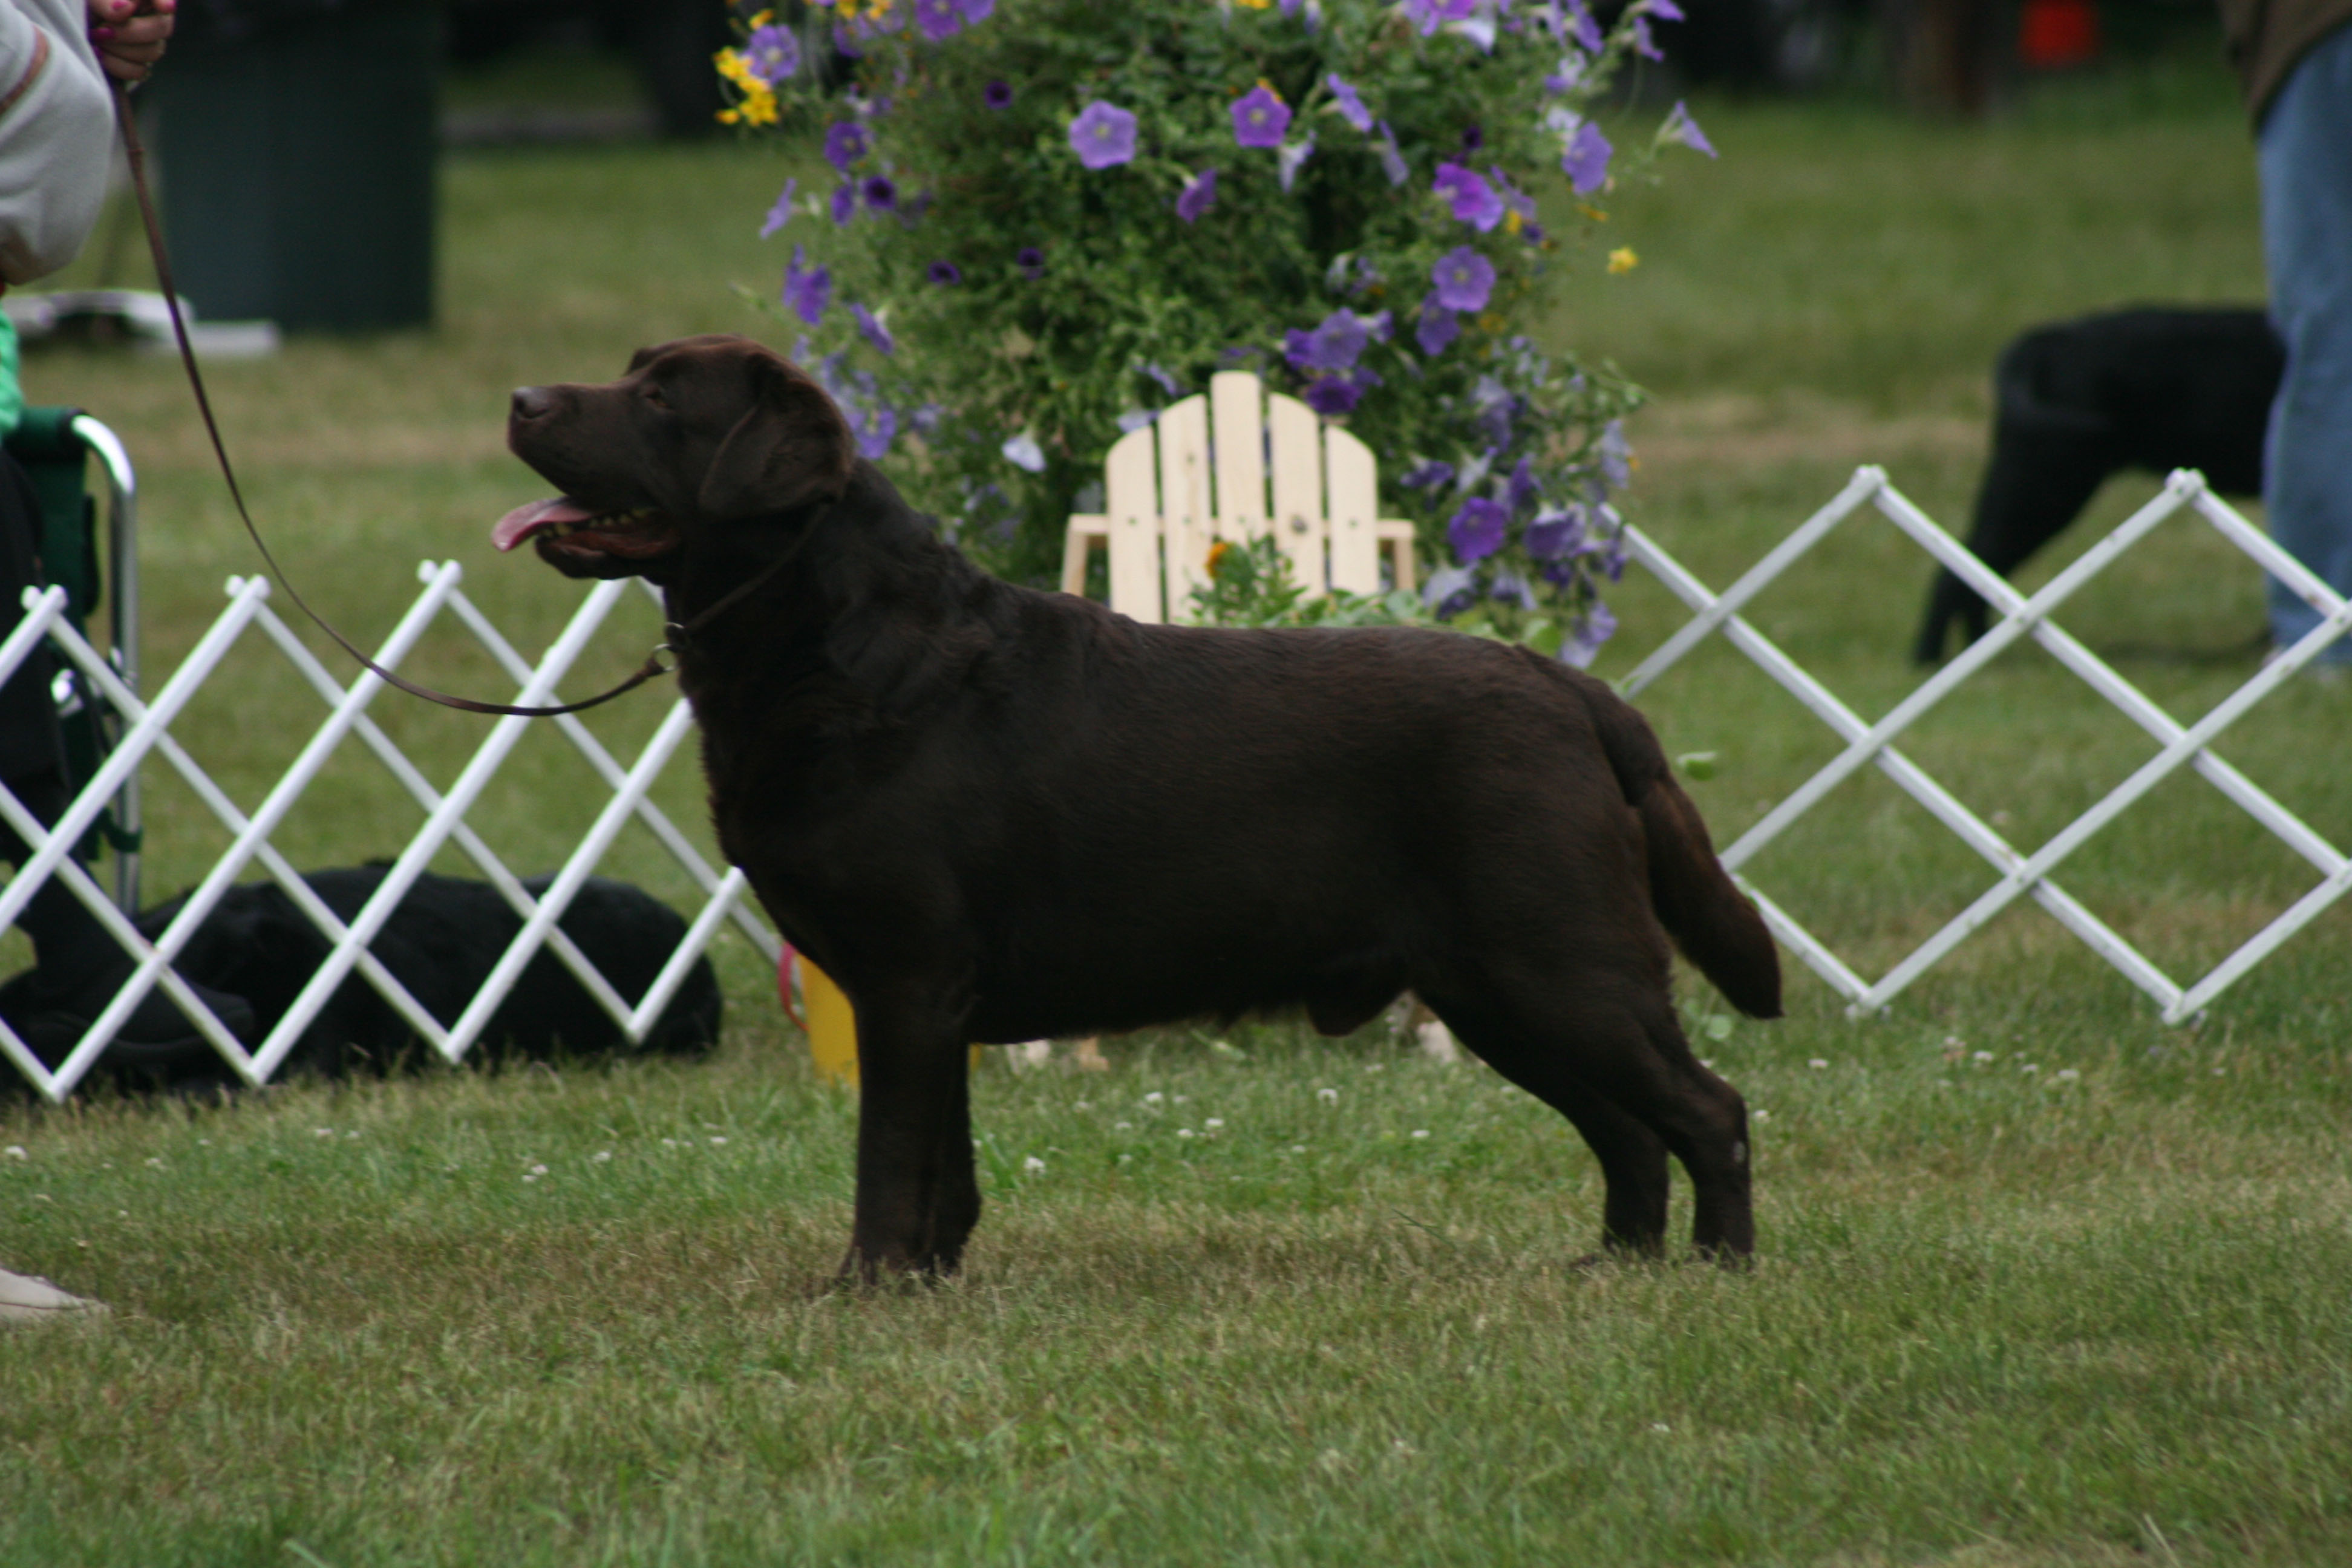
<point>994,813</point>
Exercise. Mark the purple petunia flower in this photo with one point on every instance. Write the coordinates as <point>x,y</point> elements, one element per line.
<point>1428,16</point>
<point>1464,279</point>
<point>997,95</point>
<point>873,330</point>
<point>1199,194</point>
<point>876,432</point>
<point>806,291</point>
<point>1432,474</point>
<point>1449,591</point>
<point>1585,638</point>
<point>1615,454</point>
<point>939,20</point>
<point>1586,162</point>
<point>1472,138</point>
<point>1522,488</point>
<point>1349,104</point>
<point>844,201</point>
<point>1031,260</point>
<point>1289,159</point>
<point>845,141</point>
<point>881,193</point>
<point>1478,530</point>
<point>1333,397</point>
<point>1260,118</point>
<point>1437,328</point>
<point>975,12</point>
<point>1681,130</point>
<point>1642,44</point>
<point>1474,201</point>
<point>1556,534</point>
<point>772,53</point>
<point>1512,589</point>
<point>1611,550</point>
<point>1103,135</point>
<point>1334,344</point>
<point>1584,30</point>
<point>947,274</point>
<point>1392,161</point>
<point>1494,419</point>
<point>1167,383</point>
<point>782,213</point>
<point>1667,11</point>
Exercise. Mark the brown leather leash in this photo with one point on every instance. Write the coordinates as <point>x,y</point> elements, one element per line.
<point>653,666</point>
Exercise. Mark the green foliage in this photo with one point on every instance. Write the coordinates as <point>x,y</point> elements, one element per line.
<point>1036,307</point>
<point>1251,585</point>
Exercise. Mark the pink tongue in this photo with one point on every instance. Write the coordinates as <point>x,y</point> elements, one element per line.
<point>525,520</point>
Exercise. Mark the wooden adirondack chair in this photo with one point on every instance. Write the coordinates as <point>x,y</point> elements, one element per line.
<point>1159,520</point>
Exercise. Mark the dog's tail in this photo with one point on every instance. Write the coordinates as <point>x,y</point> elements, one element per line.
<point>1710,920</point>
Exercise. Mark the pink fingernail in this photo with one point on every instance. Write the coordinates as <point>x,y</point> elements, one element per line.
<point>101,34</point>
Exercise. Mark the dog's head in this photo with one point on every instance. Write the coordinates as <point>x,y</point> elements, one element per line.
<point>699,434</point>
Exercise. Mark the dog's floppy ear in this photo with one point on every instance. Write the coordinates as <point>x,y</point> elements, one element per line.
<point>790,447</point>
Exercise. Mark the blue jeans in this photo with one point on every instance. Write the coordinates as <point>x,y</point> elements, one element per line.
<point>2306,157</point>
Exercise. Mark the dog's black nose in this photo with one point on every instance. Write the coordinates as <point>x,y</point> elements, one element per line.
<point>532,401</point>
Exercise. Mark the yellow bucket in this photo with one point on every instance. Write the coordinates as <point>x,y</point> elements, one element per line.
<point>832,1025</point>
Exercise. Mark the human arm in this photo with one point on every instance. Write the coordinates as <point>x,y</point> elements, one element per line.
<point>57,133</point>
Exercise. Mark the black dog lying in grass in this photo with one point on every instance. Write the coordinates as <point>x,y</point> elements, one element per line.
<point>996,815</point>
<point>441,943</point>
<point>2078,401</point>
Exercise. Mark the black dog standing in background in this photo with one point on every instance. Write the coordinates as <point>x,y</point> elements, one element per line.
<point>2078,401</point>
<point>994,814</point>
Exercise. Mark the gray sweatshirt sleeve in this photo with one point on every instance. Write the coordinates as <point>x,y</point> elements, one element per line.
<point>57,136</point>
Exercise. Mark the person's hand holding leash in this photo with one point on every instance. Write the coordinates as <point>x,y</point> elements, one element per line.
<point>129,35</point>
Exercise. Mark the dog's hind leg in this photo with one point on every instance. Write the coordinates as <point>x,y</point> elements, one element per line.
<point>1617,1067</point>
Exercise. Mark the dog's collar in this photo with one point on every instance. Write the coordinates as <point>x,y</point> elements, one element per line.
<point>678,637</point>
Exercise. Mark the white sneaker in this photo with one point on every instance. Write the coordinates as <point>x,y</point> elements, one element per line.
<point>25,1299</point>
<point>1437,1043</point>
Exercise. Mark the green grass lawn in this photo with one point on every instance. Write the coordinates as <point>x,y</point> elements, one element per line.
<point>2042,1281</point>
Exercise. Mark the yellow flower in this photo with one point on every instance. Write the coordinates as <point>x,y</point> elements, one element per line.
<point>735,68</point>
<point>1255,5</point>
<point>1218,551</point>
<point>1623,259</point>
<point>1513,222</point>
<point>758,106</point>
<point>761,19</point>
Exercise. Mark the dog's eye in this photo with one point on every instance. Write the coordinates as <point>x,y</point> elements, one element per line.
<point>654,395</point>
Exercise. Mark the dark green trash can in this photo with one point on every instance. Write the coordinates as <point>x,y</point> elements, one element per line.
<point>296,146</point>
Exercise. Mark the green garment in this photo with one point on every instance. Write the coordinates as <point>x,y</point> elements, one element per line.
<point>12,396</point>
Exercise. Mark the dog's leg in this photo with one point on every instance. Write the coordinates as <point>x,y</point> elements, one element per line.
<point>1617,1067</point>
<point>1632,1158</point>
<point>2037,481</point>
<point>918,1196</point>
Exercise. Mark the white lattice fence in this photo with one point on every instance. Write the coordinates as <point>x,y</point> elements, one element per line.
<point>147,731</point>
<point>2022,874</point>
